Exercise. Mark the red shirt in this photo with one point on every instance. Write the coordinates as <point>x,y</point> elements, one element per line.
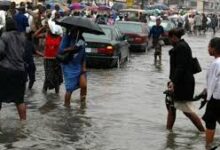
<point>52,45</point>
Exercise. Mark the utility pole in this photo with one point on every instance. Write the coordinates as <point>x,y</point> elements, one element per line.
<point>142,4</point>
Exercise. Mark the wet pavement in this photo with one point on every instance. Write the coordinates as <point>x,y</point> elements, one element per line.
<point>125,110</point>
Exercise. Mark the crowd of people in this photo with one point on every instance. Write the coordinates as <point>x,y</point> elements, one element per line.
<point>197,23</point>
<point>182,85</point>
<point>27,33</point>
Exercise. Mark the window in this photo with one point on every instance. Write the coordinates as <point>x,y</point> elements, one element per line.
<point>107,31</point>
<point>129,27</point>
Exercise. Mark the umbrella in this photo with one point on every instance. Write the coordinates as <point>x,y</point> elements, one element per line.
<point>77,6</point>
<point>84,24</point>
<point>54,1</point>
<point>92,8</point>
<point>104,8</point>
<point>160,6</point>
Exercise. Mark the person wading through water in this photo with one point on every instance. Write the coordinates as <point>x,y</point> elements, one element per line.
<point>182,82</point>
<point>12,67</point>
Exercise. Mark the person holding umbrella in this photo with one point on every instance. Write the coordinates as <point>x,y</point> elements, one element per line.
<point>75,69</point>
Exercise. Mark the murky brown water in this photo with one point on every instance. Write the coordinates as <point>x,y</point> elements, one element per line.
<point>125,111</point>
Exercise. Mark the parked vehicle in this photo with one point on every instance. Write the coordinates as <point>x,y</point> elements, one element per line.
<point>106,51</point>
<point>133,14</point>
<point>137,34</point>
<point>167,26</point>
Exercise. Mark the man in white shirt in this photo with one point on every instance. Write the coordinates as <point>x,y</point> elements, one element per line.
<point>212,114</point>
<point>30,22</point>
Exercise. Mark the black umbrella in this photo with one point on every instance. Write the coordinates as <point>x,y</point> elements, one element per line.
<point>83,24</point>
<point>160,6</point>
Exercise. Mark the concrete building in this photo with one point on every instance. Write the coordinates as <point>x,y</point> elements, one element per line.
<point>211,5</point>
<point>200,5</point>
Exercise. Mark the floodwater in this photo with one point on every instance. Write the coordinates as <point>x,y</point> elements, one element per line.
<point>125,110</point>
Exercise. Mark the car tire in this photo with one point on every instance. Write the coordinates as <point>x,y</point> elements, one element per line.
<point>144,49</point>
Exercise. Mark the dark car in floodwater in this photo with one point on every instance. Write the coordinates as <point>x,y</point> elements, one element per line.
<point>137,34</point>
<point>106,51</point>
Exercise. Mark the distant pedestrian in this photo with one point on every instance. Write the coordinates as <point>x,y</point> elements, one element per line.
<point>182,82</point>
<point>204,23</point>
<point>12,67</point>
<point>214,23</point>
<point>197,23</point>
<point>191,23</point>
<point>31,25</point>
<point>187,25</point>
<point>156,33</point>
<point>12,10</point>
<point>110,20</point>
<point>30,67</point>
<point>142,18</point>
<point>55,11</point>
<point>212,113</point>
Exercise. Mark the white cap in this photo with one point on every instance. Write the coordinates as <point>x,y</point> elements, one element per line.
<point>54,28</point>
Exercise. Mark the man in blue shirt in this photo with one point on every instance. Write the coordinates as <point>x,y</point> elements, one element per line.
<point>156,32</point>
<point>21,20</point>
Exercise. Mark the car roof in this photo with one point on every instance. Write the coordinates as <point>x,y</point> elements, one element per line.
<point>106,26</point>
<point>130,22</point>
<point>161,21</point>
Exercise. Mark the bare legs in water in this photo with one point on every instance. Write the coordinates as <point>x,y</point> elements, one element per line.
<point>21,108</point>
<point>83,92</point>
<point>171,117</point>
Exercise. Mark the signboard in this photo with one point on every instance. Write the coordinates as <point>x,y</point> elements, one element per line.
<point>130,3</point>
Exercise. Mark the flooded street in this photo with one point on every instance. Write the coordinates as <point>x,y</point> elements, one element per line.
<point>125,110</point>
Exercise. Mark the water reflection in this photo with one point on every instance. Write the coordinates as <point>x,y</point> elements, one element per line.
<point>12,131</point>
<point>74,125</point>
<point>52,102</point>
<point>182,139</point>
<point>171,143</point>
<point>158,66</point>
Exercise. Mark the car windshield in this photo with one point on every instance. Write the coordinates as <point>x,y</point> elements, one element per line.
<point>107,35</point>
<point>130,27</point>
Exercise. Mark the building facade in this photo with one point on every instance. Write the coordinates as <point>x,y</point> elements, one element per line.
<point>200,5</point>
